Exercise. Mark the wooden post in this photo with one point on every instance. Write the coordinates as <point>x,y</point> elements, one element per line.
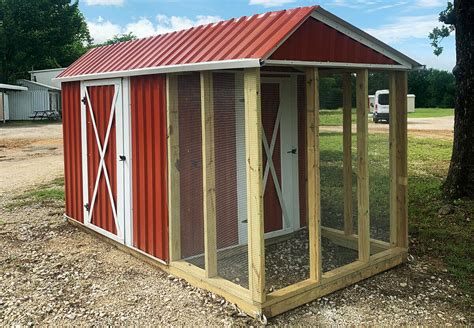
<point>173,167</point>
<point>362,96</point>
<point>313,192</point>
<point>347,150</point>
<point>208,174</point>
<point>393,157</point>
<point>402,158</point>
<point>255,215</point>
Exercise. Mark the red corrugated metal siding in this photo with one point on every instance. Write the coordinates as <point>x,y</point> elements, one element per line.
<point>71,112</point>
<point>315,41</point>
<point>149,164</point>
<point>271,205</point>
<point>101,98</point>
<point>245,37</point>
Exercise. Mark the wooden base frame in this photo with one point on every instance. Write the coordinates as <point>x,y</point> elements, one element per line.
<point>278,301</point>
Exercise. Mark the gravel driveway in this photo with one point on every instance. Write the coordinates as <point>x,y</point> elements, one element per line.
<point>51,273</point>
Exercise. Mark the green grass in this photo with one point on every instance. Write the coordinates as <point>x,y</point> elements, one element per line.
<point>334,117</point>
<point>431,112</point>
<point>446,237</point>
<point>44,194</point>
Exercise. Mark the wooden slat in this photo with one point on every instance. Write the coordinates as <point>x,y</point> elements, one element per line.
<point>347,150</point>
<point>255,215</point>
<point>338,237</point>
<point>393,157</point>
<point>313,192</point>
<point>298,294</point>
<point>401,157</point>
<point>173,171</point>
<point>362,165</point>
<point>208,175</point>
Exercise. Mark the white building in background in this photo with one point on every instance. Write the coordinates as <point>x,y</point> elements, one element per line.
<point>46,76</point>
<point>40,93</point>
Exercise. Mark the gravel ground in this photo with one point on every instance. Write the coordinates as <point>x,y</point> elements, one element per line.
<point>53,273</point>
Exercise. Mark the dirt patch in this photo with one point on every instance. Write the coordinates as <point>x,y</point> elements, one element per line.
<point>29,155</point>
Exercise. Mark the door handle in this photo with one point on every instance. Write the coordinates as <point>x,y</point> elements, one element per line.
<point>293,151</point>
<point>122,158</point>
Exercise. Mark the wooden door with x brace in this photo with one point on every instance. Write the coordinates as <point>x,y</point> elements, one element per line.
<point>280,159</point>
<point>103,157</point>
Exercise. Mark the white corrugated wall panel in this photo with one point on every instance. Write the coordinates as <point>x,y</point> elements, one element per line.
<point>24,103</point>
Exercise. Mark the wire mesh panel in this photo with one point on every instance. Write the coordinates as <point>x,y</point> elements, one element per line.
<point>230,177</point>
<point>190,169</point>
<point>379,160</point>
<point>283,107</point>
<point>338,212</point>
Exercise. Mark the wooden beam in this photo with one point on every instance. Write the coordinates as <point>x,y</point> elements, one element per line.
<point>339,238</point>
<point>313,192</point>
<point>393,156</point>
<point>208,174</point>
<point>255,215</point>
<point>173,167</point>
<point>362,95</point>
<point>402,159</point>
<point>303,292</point>
<point>347,150</point>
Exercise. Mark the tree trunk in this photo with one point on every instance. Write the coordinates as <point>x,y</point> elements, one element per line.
<point>460,180</point>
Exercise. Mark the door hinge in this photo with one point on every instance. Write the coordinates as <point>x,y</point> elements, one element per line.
<point>86,206</point>
<point>84,100</point>
<point>122,158</point>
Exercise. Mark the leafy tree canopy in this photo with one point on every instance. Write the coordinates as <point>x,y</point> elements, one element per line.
<point>447,17</point>
<point>117,39</point>
<point>40,34</point>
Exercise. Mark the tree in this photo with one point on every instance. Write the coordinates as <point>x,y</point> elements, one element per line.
<point>117,39</point>
<point>40,34</point>
<point>459,17</point>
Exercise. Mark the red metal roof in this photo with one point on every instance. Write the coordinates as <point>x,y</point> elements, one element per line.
<point>239,38</point>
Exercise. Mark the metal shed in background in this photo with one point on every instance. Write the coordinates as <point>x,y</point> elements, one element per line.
<point>199,151</point>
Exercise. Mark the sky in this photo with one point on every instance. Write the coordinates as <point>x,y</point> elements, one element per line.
<point>403,24</point>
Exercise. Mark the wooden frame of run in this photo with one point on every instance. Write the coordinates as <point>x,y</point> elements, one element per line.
<point>374,256</point>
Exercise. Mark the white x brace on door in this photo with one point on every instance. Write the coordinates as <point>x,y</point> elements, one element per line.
<point>104,172</point>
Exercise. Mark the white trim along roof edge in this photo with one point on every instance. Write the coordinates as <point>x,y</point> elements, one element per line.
<point>214,65</point>
<point>12,87</point>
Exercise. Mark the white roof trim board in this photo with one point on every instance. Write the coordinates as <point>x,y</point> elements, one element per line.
<point>215,65</point>
<point>12,87</point>
<point>41,85</point>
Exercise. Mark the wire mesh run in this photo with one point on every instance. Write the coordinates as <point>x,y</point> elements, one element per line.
<point>338,214</point>
<point>230,177</point>
<point>379,160</point>
<point>190,169</point>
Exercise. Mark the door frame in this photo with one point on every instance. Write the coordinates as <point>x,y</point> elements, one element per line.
<point>123,173</point>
